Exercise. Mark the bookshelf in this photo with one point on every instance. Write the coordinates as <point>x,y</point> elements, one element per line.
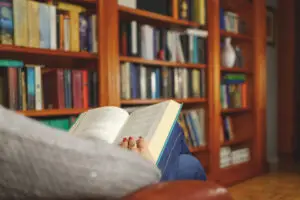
<point>248,120</point>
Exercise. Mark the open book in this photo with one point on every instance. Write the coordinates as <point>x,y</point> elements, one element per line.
<point>154,123</point>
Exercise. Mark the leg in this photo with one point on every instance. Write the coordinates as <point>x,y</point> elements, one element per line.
<point>187,167</point>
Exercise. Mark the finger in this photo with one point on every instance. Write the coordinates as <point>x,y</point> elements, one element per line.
<point>124,143</point>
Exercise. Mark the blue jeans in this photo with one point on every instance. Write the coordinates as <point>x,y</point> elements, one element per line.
<point>187,167</point>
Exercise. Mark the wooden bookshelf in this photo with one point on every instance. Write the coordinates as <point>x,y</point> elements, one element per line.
<point>234,110</point>
<point>46,52</point>
<point>249,121</point>
<point>235,70</point>
<point>52,112</point>
<point>153,101</point>
<point>160,62</point>
<point>152,18</point>
<point>236,35</point>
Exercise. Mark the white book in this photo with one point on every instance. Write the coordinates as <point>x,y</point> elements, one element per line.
<point>134,39</point>
<point>143,82</point>
<point>127,3</point>
<point>53,28</point>
<point>111,124</point>
<point>38,88</point>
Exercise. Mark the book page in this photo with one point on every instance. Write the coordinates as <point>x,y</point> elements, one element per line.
<point>102,123</point>
<point>143,122</point>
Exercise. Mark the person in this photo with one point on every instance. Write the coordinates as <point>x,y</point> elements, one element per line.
<point>186,167</point>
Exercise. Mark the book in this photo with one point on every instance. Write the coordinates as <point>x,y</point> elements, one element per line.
<point>154,123</point>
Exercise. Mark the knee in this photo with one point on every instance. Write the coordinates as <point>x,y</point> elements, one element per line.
<point>190,168</point>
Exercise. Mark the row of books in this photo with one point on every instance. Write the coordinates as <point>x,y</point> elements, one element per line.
<point>192,10</point>
<point>193,125</point>
<point>229,156</point>
<point>143,82</point>
<point>34,87</point>
<point>63,26</point>
<point>233,91</point>
<point>226,129</point>
<point>151,43</point>
<point>231,22</point>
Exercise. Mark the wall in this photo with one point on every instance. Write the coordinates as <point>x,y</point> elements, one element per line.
<point>272,133</point>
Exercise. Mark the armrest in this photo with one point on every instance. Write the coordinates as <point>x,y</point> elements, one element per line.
<point>185,190</point>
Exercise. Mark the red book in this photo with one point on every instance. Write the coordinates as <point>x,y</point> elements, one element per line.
<point>54,91</point>
<point>77,89</point>
<point>85,88</point>
<point>13,88</point>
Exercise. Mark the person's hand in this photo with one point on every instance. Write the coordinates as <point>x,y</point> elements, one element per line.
<point>140,146</point>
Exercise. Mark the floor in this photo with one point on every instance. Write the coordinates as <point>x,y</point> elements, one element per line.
<point>279,185</point>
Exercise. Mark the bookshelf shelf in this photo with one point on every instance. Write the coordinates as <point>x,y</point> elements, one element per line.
<point>160,62</point>
<point>198,149</point>
<point>235,70</point>
<point>235,35</point>
<point>152,101</point>
<point>238,140</point>
<point>153,18</point>
<point>46,52</point>
<point>52,112</point>
<point>234,110</point>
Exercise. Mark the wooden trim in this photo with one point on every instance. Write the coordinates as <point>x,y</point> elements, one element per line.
<point>160,63</point>
<point>259,105</point>
<point>175,9</point>
<point>213,81</point>
<point>152,101</point>
<point>286,71</point>
<point>108,52</point>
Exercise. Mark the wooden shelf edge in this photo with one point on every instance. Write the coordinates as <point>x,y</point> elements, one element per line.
<point>47,52</point>
<point>146,15</point>
<point>198,149</point>
<point>52,112</point>
<point>237,166</point>
<point>235,35</point>
<point>153,101</point>
<point>234,110</point>
<point>235,70</point>
<point>237,140</point>
<point>160,62</point>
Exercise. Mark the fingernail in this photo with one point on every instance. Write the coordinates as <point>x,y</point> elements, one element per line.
<point>130,138</point>
<point>124,139</point>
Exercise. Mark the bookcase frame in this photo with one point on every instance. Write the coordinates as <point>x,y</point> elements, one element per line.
<point>213,70</point>
<point>108,67</point>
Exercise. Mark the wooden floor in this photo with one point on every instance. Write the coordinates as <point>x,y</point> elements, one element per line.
<point>280,185</point>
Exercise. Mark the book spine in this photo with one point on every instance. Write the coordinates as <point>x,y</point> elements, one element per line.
<point>38,88</point>
<point>53,27</point>
<point>83,32</point>
<point>85,89</point>
<point>44,26</point>
<point>30,88</point>
<point>20,22</point>
<point>6,23</point>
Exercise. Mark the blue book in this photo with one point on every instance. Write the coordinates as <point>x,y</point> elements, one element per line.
<point>157,124</point>
<point>30,77</point>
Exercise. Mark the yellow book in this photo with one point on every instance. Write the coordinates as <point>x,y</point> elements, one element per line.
<point>196,15</point>
<point>33,24</point>
<point>74,11</point>
<point>202,14</point>
<point>20,22</point>
<point>70,7</point>
<point>74,31</point>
